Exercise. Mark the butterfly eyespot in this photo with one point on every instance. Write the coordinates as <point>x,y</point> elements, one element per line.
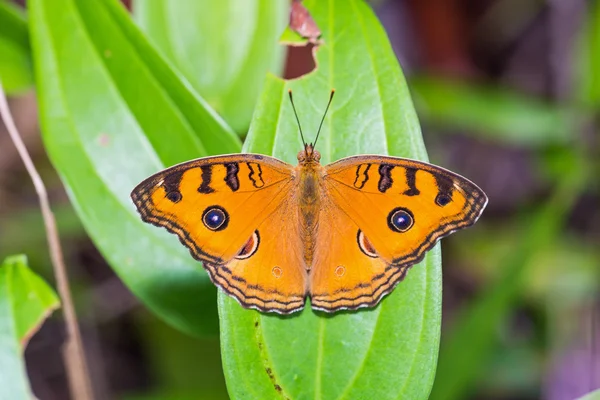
<point>215,218</point>
<point>400,219</point>
<point>442,200</point>
<point>364,245</point>
<point>340,270</point>
<point>250,247</point>
<point>277,272</point>
<point>174,196</point>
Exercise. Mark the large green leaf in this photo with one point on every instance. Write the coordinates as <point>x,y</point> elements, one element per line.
<point>112,113</point>
<point>25,302</point>
<point>15,59</point>
<point>224,48</point>
<point>384,353</point>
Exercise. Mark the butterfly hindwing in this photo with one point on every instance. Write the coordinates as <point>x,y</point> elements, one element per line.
<point>347,274</point>
<point>269,275</point>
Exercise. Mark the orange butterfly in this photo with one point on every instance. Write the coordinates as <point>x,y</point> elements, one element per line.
<point>271,234</point>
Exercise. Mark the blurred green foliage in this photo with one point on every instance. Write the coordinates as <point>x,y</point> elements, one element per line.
<point>493,113</point>
<point>469,345</point>
<point>183,367</point>
<point>587,60</point>
<point>527,255</point>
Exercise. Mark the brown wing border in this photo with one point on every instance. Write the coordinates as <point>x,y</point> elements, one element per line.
<point>229,286</point>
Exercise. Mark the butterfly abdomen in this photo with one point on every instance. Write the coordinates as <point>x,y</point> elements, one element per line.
<point>309,201</point>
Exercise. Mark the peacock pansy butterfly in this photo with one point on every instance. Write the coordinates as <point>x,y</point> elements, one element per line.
<point>344,234</point>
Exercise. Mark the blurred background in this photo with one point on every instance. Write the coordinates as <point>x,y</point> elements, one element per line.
<point>508,94</point>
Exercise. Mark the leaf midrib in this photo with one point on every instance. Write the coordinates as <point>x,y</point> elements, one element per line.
<point>374,71</point>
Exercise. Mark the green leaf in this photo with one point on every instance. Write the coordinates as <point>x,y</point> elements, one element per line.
<point>224,48</point>
<point>15,60</point>
<point>25,302</point>
<point>595,395</point>
<point>492,113</point>
<point>384,353</point>
<point>112,113</point>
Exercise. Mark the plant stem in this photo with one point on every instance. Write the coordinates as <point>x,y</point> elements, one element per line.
<point>73,352</point>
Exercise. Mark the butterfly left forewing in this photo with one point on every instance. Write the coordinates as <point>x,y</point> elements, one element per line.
<point>373,189</point>
<point>253,253</point>
<point>244,187</point>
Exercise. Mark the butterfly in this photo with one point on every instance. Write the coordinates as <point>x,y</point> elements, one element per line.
<point>271,234</point>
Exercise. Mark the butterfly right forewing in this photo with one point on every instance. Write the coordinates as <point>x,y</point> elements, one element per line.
<point>379,192</point>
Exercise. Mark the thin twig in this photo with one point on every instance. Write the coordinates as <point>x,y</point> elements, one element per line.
<point>73,352</point>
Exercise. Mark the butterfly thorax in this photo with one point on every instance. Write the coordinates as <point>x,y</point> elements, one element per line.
<point>309,171</point>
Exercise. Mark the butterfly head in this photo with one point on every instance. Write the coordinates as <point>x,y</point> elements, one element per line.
<point>309,155</point>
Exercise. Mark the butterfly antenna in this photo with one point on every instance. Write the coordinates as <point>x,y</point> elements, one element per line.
<point>324,114</point>
<point>297,119</point>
